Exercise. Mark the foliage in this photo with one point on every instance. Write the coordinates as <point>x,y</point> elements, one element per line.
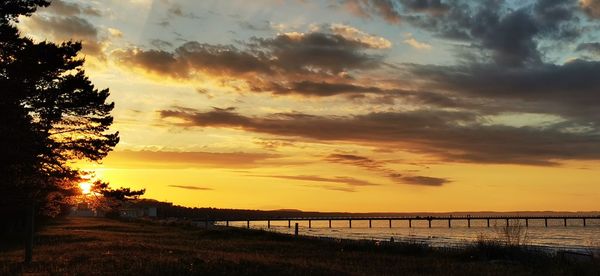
<point>53,115</point>
<point>513,234</point>
<point>109,199</point>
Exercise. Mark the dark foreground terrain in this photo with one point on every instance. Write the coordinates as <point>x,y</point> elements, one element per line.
<point>93,246</point>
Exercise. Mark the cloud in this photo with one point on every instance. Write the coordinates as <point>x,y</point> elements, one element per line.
<point>171,159</point>
<point>410,40</point>
<point>369,8</point>
<point>354,34</point>
<point>496,30</point>
<point>435,7</point>
<point>590,47</point>
<point>312,64</point>
<point>65,21</point>
<point>176,10</point>
<point>322,52</point>
<point>569,90</point>
<point>260,26</point>
<point>449,135</point>
<point>337,179</point>
<point>359,161</point>
<point>68,28</point>
<point>350,183</point>
<point>591,7</point>
<point>195,188</point>
<point>378,166</point>
<point>115,32</point>
<point>425,180</point>
<point>64,8</point>
<point>160,44</point>
<point>72,26</point>
<point>322,89</point>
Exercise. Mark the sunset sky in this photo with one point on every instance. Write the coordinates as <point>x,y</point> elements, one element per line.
<point>346,105</point>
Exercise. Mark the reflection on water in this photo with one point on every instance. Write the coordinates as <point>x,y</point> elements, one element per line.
<point>556,236</point>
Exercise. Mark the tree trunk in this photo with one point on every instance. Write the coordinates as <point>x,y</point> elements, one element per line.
<point>30,214</point>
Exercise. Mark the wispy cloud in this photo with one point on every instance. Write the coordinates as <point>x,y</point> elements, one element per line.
<point>187,187</point>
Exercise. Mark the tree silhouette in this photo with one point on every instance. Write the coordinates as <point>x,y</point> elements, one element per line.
<point>120,194</point>
<point>51,115</point>
<point>110,200</point>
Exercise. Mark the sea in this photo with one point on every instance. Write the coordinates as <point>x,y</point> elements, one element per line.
<point>555,237</point>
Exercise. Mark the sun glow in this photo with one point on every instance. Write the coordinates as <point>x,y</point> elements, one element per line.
<point>85,187</point>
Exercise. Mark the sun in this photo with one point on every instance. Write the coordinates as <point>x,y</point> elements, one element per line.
<point>85,187</point>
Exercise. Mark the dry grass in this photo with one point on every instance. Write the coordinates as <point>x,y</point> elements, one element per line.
<point>91,246</point>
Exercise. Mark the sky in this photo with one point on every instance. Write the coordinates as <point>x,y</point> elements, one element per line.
<point>346,105</point>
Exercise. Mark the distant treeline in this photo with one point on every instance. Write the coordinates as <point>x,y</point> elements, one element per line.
<point>167,210</point>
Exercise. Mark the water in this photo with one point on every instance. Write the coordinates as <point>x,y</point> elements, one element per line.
<point>554,237</point>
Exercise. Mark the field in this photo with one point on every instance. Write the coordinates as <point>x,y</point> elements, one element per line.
<point>94,246</point>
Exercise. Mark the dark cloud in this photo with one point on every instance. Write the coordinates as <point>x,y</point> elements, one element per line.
<point>425,180</point>
<point>195,188</point>
<point>314,64</point>
<point>321,89</point>
<point>348,184</point>
<point>176,10</point>
<point>64,8</point>
<point>379,166</point>
<point>510,36</point>
<point>435,7</point>
<point>66,21</point>
<point>194,57</point>
<point>65,26</point>
<point>369,8</point>
<point>590,47</point>
<point>161,44</point>
<point>68,28</point>
<point>325,52</point>
<point>170,159</point>
<point>569,90</point>
<point>452,136</point>
<point>260,26</point>
<point>337,179</point>
<point>503,32</point>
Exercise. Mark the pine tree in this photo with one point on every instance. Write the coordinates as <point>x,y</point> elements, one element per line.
<point>51,115</point>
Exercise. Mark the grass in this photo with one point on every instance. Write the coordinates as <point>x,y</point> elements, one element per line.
<point>95,246</point>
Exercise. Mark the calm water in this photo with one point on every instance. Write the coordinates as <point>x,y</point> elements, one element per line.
<point>555,237</point>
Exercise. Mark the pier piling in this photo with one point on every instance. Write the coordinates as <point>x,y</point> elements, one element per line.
<point>390,221</point>
<point>309,224</point>
<point>369,223</point>
<point>329,223</point>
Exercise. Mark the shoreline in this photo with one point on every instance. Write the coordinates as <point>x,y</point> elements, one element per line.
<point>84,246</point>
<point>450,244</point>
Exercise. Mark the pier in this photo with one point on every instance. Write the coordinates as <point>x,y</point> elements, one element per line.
<point>429,219</point>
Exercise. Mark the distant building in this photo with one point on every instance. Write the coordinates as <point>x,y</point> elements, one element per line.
<point>138,212</point>
<point>83,210</point>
